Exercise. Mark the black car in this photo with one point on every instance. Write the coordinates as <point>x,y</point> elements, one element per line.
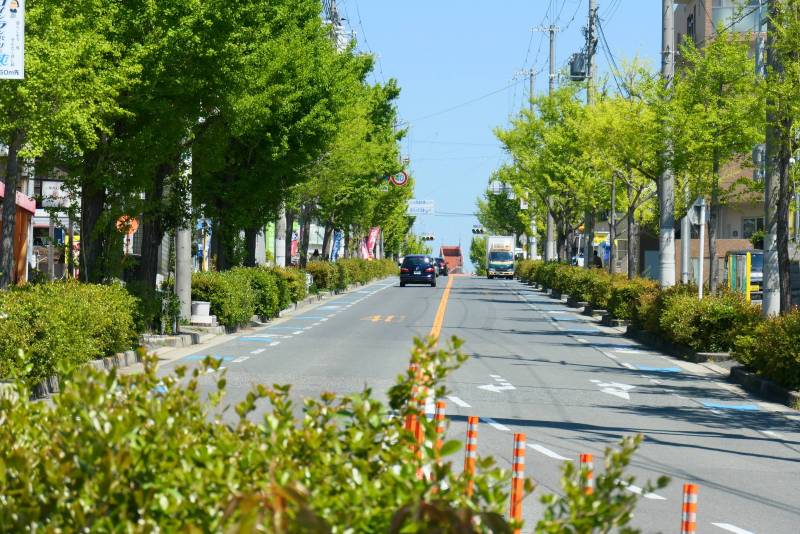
<point>418,269</point>
<point>441,266</point>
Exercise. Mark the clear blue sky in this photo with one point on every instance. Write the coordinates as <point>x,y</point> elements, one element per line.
<point>445,53</point>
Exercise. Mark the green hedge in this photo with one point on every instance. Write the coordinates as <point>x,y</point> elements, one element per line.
<point>230,293</point>
<point>773,349</point>
<point>60,326</point>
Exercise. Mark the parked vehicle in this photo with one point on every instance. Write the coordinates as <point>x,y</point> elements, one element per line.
<point>418,269</point>
<point>500,256</point>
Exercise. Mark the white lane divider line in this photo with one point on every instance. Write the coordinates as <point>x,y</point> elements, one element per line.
<point>308,328</point>
<point>257,351</point>
<point>241,359</point>
<point>732,528</point>
<point>771,434</point>
<point>274,343</point>
<point>638,491</point>
<point>628,365</point>
<point>495,376</point>
<point>494,424</point>
<point>297,332</point>
<point>547,452</point>
<point>581,340</point>
<point>458,402</point>
<point>316,324</point>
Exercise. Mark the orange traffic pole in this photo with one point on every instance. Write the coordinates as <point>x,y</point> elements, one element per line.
<point>471,453</point>
<point>517,479</point>
<point>441,407</point>
<point>587,463</point>
<point>689,512</point>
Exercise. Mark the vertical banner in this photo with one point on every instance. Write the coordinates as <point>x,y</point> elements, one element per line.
<point>338,236</point>
<point>372,240</point>
<point>12,39</point>
<point>364,249</point>
<point>295,241</point>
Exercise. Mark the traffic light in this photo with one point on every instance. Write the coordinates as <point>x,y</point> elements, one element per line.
<point>427,237</point>
<point>478,230</point>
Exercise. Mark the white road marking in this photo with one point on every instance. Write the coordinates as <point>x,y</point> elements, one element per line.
<point>547,452</point>
<point>628,365</point>
<point>495,376</point>
<point>581,340</point>
<point>497,389</point>
<point>316,324</point>
<point>323,319</point>
<point>241,359</point>
<point>459,402</point>
<point>308,328</point>
<point>638,491</point>
<point>297,332</point>
<point>257,351</point>
<point>494,424</point>
<point>614,388</point>
<point>771,434</point>
<point>274,343</point>
<point>732,528</point>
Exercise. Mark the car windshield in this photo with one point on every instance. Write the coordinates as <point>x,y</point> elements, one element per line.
<point>500,256</point>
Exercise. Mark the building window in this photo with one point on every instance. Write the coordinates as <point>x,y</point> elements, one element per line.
<point>751,225</point>
<point>690,27</point>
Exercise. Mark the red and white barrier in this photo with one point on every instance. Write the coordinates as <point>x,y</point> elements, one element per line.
<point>438,418</point>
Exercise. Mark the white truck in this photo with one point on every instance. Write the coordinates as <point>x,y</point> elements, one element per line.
<point>499,256</point>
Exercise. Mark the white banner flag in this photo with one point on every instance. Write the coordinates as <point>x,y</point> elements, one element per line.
<point>12,39</point>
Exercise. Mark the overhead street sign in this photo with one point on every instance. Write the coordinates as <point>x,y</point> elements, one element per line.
<point>420,207</point>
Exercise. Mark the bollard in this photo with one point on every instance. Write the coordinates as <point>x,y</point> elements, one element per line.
<point>441,407</point>
<point>471,452</point>
<point>517,478</point>
<point>689,512</point>
<point>587,463</point>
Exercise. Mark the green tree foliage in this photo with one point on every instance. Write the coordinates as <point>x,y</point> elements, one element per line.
<point>72,78</point>
<point>719,101</point>
<point>477,254</point>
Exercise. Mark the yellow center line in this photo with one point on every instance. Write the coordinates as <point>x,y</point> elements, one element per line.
<point>437,322</point>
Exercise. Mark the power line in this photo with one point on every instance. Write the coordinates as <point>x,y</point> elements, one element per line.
<point>437,142</point>
<point>366,43</point>
<point>610,57</point>
<point>468,102</point>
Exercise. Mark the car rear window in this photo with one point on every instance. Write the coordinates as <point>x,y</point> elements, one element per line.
<point>413,262</point>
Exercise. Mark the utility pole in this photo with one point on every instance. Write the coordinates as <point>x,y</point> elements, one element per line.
<point>183,254</point>
<point>533,242</point>
<point>771,303</point>
<point>550,242</point>
<point>612,224</point>
<point>591,44</point>
<point>666,185</point>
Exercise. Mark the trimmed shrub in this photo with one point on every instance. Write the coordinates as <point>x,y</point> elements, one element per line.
<point>545,274</point>
<point>60,326</point>
<point>599,288</point>
<point>628,294</point>
<point>230,293</point>
<point>708,325</point>
<point>525,270</point>
<point>324,274</point>
<point>772,349</point>
<point>295,280</point>
<point>264,284</point>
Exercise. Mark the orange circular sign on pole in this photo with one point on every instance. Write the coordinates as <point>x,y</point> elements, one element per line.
<point>127,225</point>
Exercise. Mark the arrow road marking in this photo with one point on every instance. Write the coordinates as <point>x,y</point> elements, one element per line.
<point>615,388</point>
<point>638,491</point>
<point>547,452</point>
<point>241,359</point>
<point>504,385</point>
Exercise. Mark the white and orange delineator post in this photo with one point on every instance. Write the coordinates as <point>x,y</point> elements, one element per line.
<point>689,511</point>
<point>517,479</point>
<point>587,464</point>
<point>471,453</point>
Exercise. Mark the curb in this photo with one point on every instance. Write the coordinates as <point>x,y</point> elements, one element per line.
<point>764,388</point>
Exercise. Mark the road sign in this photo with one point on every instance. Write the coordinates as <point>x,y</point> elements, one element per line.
<point>12,40</point>
<point>400,179</point>
<point>420,207</point>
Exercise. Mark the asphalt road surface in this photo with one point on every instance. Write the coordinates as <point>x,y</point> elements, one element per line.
<point>569,384</point>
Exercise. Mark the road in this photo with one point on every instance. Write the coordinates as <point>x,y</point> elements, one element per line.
<point>570,385</point>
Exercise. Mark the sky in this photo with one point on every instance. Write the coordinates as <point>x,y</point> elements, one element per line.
<point>462,67</point>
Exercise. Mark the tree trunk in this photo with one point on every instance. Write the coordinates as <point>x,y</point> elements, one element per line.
<point>305,229</point>
<point>784,196</point>
<point>347,242</point>
<point>713,217</point>
<point>326,240</point>
<point>9,216</point>
<point>289,232</point>
<point>153,230</point>
<point>631,232</point>
<point>250,237</point>
<point>93,237</point>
